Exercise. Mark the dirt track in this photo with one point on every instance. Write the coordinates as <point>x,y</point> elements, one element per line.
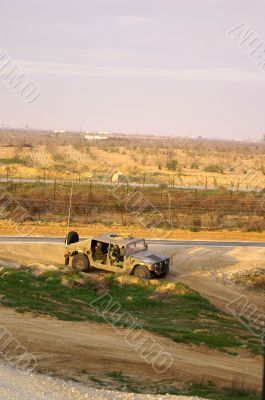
<point>202,268</point>
<point>65,347</point>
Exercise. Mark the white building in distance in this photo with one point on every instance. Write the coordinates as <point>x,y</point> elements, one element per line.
<point>96,137</point>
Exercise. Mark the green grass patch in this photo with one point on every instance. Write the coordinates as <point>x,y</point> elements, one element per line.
<point>116,380</point>
<point>14,160</point>
<point>213,392</point>
<point>183,316</point>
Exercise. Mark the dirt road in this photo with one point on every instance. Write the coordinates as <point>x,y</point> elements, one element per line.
<point>202,269</point>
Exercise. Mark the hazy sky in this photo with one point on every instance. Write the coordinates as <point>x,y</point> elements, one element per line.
<point>146,66</point>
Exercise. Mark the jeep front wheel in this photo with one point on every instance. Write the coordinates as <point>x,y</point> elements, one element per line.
<point>80,263</point>
<point>165,273</point>
<point>142,272</point>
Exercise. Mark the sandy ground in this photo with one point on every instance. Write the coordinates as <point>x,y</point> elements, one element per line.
<point>65,347</point>
<point>59,229</point>
<point>15,385</point>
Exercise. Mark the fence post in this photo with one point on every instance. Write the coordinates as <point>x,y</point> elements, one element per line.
<point>90,185</point>
<point>54,190</point>
<point>263,396</point>
<point>250,210</point>
<point>143,179</point>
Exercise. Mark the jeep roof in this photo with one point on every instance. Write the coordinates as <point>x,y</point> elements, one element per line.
<point>114,238</point>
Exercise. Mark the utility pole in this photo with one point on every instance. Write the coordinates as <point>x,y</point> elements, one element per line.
<point>70,209</point>
<point>169,207</point>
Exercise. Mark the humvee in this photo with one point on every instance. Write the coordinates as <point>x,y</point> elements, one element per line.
<point>115,253</point>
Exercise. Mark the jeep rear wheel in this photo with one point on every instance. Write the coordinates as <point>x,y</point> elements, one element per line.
<point>142,272</point>
<point>80,263</point>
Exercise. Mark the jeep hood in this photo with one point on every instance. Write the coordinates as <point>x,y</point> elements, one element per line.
<point>148,257</point>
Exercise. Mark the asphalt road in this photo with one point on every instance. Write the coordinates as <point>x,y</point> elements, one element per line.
<point>163,242</point>
<point>131,184</point>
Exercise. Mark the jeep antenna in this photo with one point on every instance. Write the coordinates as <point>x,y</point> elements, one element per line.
<point>70,208</point>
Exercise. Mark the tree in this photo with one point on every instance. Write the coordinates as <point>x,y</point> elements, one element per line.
<point>172,165</point>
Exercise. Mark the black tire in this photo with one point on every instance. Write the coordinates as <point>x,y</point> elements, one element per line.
<point>72,237</point>
<point>141,272</point>
<point>80,263</point>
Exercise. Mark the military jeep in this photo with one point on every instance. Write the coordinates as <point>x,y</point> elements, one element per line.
<point>115,253</point>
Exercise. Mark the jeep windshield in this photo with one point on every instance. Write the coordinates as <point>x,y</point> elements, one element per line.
<point>135,247</point>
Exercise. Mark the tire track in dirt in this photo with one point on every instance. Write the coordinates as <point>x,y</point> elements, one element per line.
<point>66,347</point>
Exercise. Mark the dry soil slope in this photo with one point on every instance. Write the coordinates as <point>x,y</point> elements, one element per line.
<point>15,385</point>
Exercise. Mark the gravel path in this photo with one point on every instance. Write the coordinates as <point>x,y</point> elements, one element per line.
<point>15,385</point>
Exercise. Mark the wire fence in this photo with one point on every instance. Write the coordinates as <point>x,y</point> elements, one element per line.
<point>120,204</point>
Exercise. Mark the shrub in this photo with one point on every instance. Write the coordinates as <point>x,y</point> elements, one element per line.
<point>195,229</point>
<point>194,165</point>
<point>257,226</point>
<point>213,168</point>
<point>15,160</point>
